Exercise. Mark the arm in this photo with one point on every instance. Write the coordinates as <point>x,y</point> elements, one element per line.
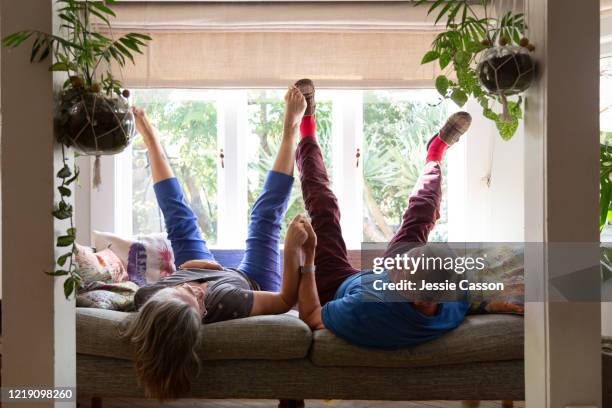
<point>310,306</point>
<point>276,303</point>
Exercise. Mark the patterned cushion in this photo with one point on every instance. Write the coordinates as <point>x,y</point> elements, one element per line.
<point>147,258</point>
<point>110,296</point>
<point>102,266</point>
<point>506,264</point>
<point>105,282</point>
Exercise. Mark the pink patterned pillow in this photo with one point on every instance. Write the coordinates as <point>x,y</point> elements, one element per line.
<point>102,266</point>
<point>147,258</point>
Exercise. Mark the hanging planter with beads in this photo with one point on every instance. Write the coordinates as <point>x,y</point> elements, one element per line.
<point>92,110</point>
<point>505,71</point>
<point>94,123</point>
<point>473,66</point>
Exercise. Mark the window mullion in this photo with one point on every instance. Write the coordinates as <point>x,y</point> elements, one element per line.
<point>348,182</point>
<point>123,179</point>
<point>232,175</point>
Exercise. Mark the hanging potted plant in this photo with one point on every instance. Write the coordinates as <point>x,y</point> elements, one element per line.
<point>92,110</point>
<point>483,57</point>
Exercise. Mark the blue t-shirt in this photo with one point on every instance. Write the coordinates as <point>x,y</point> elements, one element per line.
<point>372,318</point>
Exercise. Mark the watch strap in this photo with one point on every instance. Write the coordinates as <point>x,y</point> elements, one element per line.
<point>307,269</point>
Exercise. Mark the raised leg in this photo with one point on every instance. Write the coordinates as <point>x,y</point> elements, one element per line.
<point>181,223</point>
<point>261,260</point>
<point>422,212</point>
<point>331,260</point>
<point>424,202</point>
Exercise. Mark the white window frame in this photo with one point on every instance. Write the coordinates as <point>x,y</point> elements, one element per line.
<point>347,137</point>
<point>110,202</point>
<point>232,189</point>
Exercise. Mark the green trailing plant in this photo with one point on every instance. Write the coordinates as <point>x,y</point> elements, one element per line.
<point>457,49</point>
<point>64,211</point>
<point>86,56</point>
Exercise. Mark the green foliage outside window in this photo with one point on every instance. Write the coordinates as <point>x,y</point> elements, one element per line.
<point>188,131</point>
<point>266,112</point>
<point>395,136</point>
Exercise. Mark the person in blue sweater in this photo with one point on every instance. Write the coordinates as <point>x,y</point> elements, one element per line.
<point>336,296</point>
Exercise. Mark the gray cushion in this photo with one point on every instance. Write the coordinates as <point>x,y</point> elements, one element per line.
<point>479,338</point>
<point>277,337</point>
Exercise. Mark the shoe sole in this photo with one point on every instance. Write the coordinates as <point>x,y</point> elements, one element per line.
<point>453,129</point>
<point>307,88</point>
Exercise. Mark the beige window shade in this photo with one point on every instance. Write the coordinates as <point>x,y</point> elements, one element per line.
<point>269,45</point>
<point>262,16</point>
<point>358,60</point>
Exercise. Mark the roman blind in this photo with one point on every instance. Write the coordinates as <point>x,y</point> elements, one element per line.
<point>344,45</point>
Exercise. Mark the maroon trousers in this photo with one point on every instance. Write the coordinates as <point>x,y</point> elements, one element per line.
<point>331,259</point>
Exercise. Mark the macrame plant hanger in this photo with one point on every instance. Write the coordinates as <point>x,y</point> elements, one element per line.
<point>500,8</point>
<point>97,166</point>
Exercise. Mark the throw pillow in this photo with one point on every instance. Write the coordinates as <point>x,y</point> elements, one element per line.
<point>147,258</point>
<point>102,266</point>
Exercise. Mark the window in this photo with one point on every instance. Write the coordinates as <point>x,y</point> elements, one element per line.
<point>221,143</point>
<point>187,125</point>
<point>397,126</point>
<point>265,116</point>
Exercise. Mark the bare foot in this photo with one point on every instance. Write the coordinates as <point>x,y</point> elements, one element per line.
<point>295,106</point>
<point>143,126</point>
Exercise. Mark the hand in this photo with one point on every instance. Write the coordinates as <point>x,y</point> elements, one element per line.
<point>296,234</point>
<point>143,126</point>
<point>310,245</point>
<point>295,106</point>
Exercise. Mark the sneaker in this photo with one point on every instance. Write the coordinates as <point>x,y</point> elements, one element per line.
<point>307,88</point>
<point>456,125</point>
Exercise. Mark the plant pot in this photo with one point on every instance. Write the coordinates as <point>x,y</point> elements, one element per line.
<point>506,70</point>
<point>94,123</point>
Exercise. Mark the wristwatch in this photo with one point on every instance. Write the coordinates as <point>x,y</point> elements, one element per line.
<point>307,269</point>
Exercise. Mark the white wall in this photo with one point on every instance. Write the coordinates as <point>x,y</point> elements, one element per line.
<point>99,208</point>
<point>82,198</point>
<point>486,184</point>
